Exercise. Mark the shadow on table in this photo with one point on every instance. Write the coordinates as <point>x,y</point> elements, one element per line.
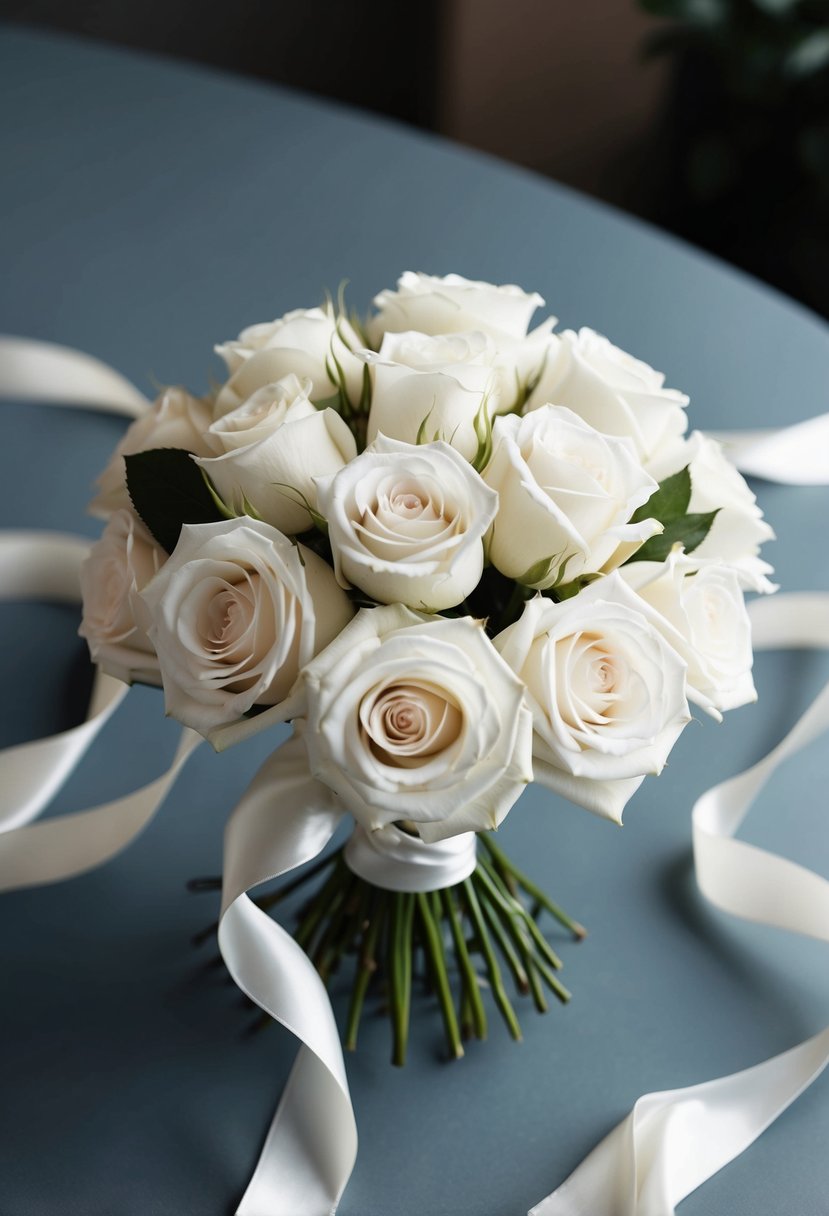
<point>769,990</point>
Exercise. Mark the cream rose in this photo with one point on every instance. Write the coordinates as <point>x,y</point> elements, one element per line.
<point>293,443</point>
<point>120,564</point>
<point>175,420</point>
<point>417,718</point>
<point>406,524</point>
<point>450,304</point>
<point>565,496</point>
<point>606,691</point>
<point>263,413</point>
<point>706,622</point>
<point>436,386</point>
<point>738,529</point>
<point>307,343</point>
<point>235,614</point>
<point>611,390</point>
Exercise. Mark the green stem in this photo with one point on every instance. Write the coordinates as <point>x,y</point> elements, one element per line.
<point>504,863</point>
<point>366,967</point>
<point>493,970</point>
<point>400,971</point>
<point>340,921</point>
<point>551,979</point>
<point>277,896</point>
<point>490,911</point>
<point>521,926</point>
<point>537,991</point>
<point>320,905</point>
<point>471,988</point>
<point>514,908</point>
<point>266,902</point>
<point>433,944</point>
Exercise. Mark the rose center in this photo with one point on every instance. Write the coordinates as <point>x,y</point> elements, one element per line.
<point>227,618</point>
<point>590,681</point>
<point>405,725</point>
<point>407,504</point>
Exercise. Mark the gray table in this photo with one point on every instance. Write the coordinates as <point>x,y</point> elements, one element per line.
<point>150,209</point>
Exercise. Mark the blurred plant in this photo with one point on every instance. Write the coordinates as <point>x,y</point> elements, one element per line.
<point>748,133</point>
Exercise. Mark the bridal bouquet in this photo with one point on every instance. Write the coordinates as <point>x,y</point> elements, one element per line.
<point>459,555</point>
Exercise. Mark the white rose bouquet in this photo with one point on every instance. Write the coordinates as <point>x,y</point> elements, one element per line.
<point>459,555</point>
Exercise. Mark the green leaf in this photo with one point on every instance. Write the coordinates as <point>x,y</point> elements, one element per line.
<point>221,506</point>
<point>688,531</point>
<point>250,510</point>
<point>358,324</point>
<point>421,436</point>
<point>482,425</point>
<point>568,591</point>
<point>538,572</point>
<point>168,490</point>
<point>669,501</point>
<point>317,520</point>
<point>365,396</point>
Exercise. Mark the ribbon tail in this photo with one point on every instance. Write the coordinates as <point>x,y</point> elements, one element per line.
<point>673,1141</point>
<point>62,848</point>
<point>57,375</point>
<point>285,819</point>
<point>796,455</point>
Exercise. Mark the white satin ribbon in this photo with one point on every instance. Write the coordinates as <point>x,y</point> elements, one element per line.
<point>286,818</point>
<point>396,861</point>
<point>673,1141</point>
<point>46,566</point>
<point>796,455</point>
<point>57,375</point>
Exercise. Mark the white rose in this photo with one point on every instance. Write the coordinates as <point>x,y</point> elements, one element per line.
<point>565,496</point>
<point>261,414</point>
<point>175,420</point>
<point>613,391</point>
<point>519,366</point>
<point>437,386</point>
<point>452,304</point>
<point>606,691</point>
<point>275,474</point>
<point>120,564</point>
<point>236,612</point>
<point>738,529</point>
<point>406,524</point>
<point>306,342</point>
<point>417,718</point>
<point>706,622</point>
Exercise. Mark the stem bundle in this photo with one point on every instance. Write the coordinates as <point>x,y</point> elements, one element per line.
<point>489,919</point>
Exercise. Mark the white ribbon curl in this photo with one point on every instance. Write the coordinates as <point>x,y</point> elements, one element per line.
<point>284,819</point>
<point>673,1141</point>
<point>46,566</point>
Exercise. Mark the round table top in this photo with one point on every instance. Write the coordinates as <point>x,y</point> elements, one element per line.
<point>150,210</point>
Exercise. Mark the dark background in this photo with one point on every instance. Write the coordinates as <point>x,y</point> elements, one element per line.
<point>708,117</point>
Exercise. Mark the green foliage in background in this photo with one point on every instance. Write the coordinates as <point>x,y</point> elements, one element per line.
<point>748,132</point>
